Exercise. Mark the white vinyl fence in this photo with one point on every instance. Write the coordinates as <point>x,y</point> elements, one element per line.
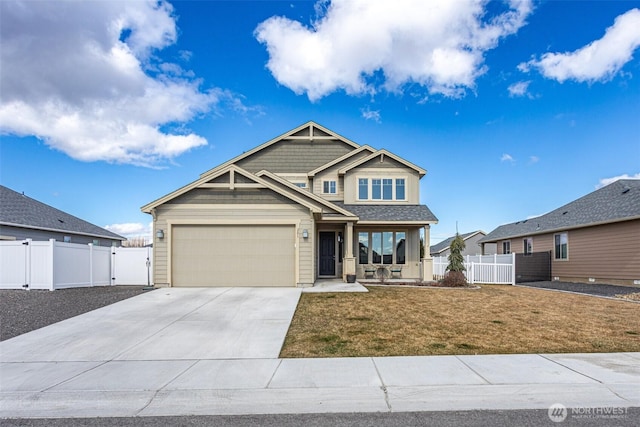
<point>498,269</point>
<point>56,265</point>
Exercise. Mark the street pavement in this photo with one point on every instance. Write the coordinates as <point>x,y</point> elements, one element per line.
<point>185,352</point>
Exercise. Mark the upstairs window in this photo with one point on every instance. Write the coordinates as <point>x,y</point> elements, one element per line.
<point>528,245</point>
<point>400,189</point>
<point>329,187</point>
<point>387,189</point>
<point>376,189</point>
<point>363,188</point>
<point>382,189</point>
<point>506,247</point>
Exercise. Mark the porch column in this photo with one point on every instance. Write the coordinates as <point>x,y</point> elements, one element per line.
<point>349,262</point>
<point>427,261</point>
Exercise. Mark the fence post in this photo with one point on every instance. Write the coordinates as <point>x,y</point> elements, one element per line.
<point>90,263</point>
<point>472,276</point>
<point>513,268</point>
<point>52,255</point>
<point>495,268</point>
<point>27,264</point>
<point>113,265</point>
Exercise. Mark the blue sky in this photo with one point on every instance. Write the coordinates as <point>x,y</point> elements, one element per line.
<point>513,108</point>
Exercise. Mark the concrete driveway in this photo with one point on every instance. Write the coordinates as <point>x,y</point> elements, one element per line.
<point>167,324</point>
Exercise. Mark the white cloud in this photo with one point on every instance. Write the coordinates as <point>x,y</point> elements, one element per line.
<point>519,89</point>
<point>534,159</point>
<point>507,158</point>
<point>371,114</point>
<point>85,77</point>
<point>600,60</point>
<point>606,181</point>
<point>439,45</point>
<point>131,229</point>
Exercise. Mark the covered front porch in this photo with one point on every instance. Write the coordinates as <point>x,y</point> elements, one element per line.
<point>384,252</point>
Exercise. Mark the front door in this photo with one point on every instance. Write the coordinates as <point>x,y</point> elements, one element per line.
<point>327,253</point>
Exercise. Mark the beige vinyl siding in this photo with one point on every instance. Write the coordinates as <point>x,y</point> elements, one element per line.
<point>331,174</point>
<point>293,156</point>
<point>211,214</point>
<point>610,251</point>
<point>226,196</point>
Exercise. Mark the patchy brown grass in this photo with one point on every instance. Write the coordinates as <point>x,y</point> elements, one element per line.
<point>492,320</point>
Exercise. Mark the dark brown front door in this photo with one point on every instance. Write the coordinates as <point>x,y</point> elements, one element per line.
<point>327,253</point>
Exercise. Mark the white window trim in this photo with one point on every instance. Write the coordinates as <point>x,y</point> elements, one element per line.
<point>523,245</point>
<point>503,242</point>
<point>330,181</point>
<point>393,179</point>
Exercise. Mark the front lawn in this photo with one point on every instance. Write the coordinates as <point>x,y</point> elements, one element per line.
<point>395,321</point>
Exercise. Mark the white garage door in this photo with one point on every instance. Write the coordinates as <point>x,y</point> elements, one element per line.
<point>233,255</point>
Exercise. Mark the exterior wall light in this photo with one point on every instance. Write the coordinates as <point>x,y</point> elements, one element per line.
<point>160,234</point>
<point>305,234</point>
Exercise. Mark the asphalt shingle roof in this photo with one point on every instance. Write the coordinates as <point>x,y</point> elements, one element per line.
<point>394,213</point>
<point>447,242</point>
<point>614,202</point>
<point>18,209</point>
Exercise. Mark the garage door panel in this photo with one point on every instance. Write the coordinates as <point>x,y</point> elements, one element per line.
<point>233,255</point>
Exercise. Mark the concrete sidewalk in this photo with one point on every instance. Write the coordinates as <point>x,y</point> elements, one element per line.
<point>215,351</point>
<point>267,386</point>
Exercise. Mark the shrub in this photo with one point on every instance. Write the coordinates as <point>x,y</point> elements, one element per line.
<point>456,260</point>
<point>454,279</point>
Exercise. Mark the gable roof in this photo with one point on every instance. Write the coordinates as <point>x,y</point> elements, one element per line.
<point>254,181</point>
<point>304,193</point>
<point>341,159</point>
<point>619,201</point>
<point>446,243</point>
<point>379,153</point>
<point>315,132</point>
<point>18,210</point>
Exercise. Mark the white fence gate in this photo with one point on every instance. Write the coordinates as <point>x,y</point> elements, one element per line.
<point>56,265</point>
<point>498,269</point>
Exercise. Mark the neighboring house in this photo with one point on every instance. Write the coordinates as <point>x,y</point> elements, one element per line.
<point>22,217</point>
<point>308,204</point>
<point>593,239</point>
<point>472,247</point>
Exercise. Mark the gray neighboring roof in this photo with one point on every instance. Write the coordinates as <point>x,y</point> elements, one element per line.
<point>391,213</point>
<point>619,201</point>
<point>446,243</point>
<point>19,210</point>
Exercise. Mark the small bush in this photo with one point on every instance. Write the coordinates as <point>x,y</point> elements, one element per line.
<point>454,279</point>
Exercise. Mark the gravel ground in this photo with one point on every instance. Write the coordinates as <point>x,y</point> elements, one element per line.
<point>585,288</point>
<point>23,311</point>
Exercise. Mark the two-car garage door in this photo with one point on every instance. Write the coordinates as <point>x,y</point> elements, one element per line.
<point>233,255</point>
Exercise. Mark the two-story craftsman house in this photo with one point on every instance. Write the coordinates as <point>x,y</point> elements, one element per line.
<point>308,204</point>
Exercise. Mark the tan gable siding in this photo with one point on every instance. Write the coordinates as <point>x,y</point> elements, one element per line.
<point>291,156</point>
<point>226,196</point>
<point>387,162</point>
<point>210,214</point>
<point>331,174</point>
<point>610,251</point>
